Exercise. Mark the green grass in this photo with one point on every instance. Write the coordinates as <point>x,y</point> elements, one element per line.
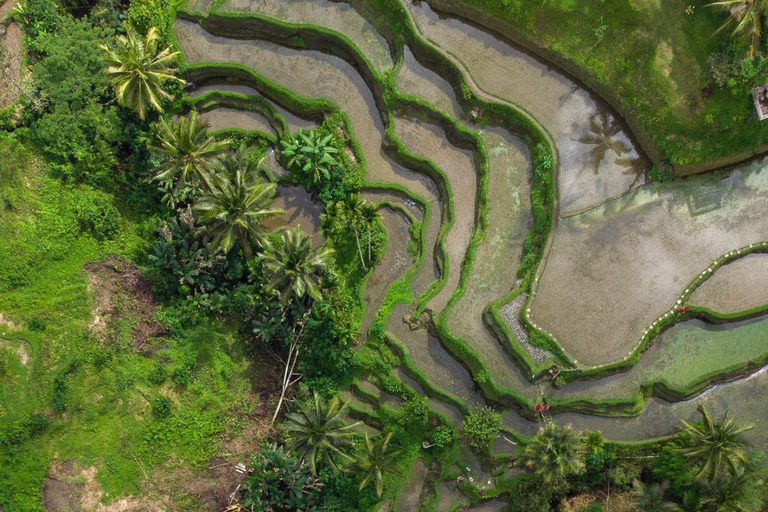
<point>96,394</point>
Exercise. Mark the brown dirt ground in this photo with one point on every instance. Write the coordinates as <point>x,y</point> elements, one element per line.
<point>10,57</point>
<point>121,293</point>
<point>69,487</point>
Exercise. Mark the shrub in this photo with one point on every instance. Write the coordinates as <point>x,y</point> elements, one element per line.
<point>37,325</point>
<point>481,426</point>
<point>158,375</point>
<point>443,436</point>
<point>67,96</point>
<point>415,413</point>
<point>278,481</point>
<point>96,213</point>
<point>162,407</point>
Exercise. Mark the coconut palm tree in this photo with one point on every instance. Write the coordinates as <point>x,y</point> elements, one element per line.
<point>748,17</point>
<point>730,493</point>
<point>377,460</point>
<point>294,269</point>
<point>318,429</point>
<point>717,447</point>
<point>235,203</point>
<point>650,498</point>
<point>593,441</point>
<point>369,214</point>
<point>553,453</point>
<point>188,151</point>
<point>138,69</point>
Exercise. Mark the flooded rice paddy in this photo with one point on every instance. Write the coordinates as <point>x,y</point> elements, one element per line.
<point>623,249</point>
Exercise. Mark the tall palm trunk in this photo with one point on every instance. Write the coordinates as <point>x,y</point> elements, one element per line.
<point>359,249</point>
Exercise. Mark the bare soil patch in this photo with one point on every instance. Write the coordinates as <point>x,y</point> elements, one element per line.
<point>122,295</point>
<point>10,56</point>
<point>70,487</point>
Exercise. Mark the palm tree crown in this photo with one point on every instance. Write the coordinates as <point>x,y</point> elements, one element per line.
<point>716,446</point>
<point>137,70</point>
<point>189,152</point>
<point>553,453</point>
<point>319,429</point>
<point>294,269</point>
<point>747,15</point>
<point>236,203</point>
<point>650,498</point>
<point>378,459</point>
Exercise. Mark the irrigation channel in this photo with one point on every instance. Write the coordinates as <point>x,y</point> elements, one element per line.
<point>622,252</point>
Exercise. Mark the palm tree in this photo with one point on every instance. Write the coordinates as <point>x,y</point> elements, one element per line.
<point>378,459</point>
<point>747,15</point>
<point>553,453</point>
<point>650,498</point>
<point>294,269</point>
<point>730,493</point>
<point>189,152</point>
<point>236,203</point>
<point>318,429</point>
<point>369,214</point>
<point>593,441</point>
<point>137,70</point>
<point>717,447</point>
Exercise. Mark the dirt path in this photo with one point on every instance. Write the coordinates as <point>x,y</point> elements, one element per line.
<point>10,56</point>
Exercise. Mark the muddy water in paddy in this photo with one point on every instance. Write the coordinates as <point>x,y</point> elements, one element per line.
<point>415,80</point>
<point>598,160</point>
<point>430,356</point>
<point>429,272</point>
<point>223,118</point>
<point>311,74</point>
<point>294,122</point>
<point>737,286</point>
<point>713,348</point>
<point>627,262</point>
<point>300,209</point>
<point>336,16</point>
<point>494,272</point>
<point>745,399</point>
<point>458,166</point>
<point>392,265</point>
<point>394,197</point>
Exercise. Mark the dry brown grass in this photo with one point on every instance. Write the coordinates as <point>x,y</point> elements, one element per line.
<point>122,295</point>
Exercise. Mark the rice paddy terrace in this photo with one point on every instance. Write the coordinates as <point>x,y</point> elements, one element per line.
<point>542,246</point>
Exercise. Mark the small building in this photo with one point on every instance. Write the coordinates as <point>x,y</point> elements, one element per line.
<point>760,95</point>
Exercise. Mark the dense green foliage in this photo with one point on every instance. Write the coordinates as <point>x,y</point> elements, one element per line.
<point>481,427</point>
<point>280,482</point>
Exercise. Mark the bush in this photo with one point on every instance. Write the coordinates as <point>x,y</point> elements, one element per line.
<point>162,407</point>
<point>481,427</point>
<point>67,96</point>
<point>443,436</point>
<point>37,325</point>
<point>96,213</point>
<point>415,413</point>
<point>279,482</point>
<point>158,375</point>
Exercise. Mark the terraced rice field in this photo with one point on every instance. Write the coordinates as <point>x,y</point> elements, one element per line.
<point>620,255</point>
